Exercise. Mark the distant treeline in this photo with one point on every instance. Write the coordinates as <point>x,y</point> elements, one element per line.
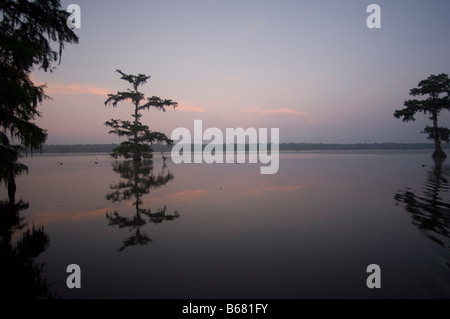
<point>359,146</point>
<point>106,148</point>
<point>91,148</point>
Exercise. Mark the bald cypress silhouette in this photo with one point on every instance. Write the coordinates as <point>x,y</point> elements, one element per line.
<point>29,31</point>
<point>139,136</point>
<point>437,87</point>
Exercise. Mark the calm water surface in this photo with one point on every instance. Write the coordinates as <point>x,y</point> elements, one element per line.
<point>225,231</point>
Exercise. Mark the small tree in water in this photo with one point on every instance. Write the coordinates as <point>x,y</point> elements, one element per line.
<point>140,137</point>
<point>438,89</point>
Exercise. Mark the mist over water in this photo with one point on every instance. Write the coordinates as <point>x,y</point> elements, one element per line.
<point>163,230</point>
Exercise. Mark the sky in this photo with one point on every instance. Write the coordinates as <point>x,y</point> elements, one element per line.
<point>311,68</point>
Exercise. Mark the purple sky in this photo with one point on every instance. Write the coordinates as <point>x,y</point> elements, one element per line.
<point>311,68</point>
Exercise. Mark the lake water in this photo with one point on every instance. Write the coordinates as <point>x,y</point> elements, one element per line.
<point>225,231</point>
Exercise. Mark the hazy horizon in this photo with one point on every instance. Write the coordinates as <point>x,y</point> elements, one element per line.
<point>431,144</point>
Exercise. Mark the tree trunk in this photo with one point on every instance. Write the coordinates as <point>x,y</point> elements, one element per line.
<point>136,155</point>
<point>438,152</point>
<point>11,189</point>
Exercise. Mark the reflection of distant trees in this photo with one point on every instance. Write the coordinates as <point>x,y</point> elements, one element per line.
<point>430,211</point>
<point>139,179</point>
<point>19,272</point>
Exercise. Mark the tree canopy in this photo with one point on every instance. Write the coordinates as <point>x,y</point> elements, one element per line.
<point>139,136</point>
<point>437,88</point>
<point>28,32</point>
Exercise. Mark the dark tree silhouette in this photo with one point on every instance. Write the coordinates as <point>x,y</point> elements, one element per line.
<point>437,87</point>
<point>139,180</point>
<point>28,30</point>
<point>20,274</point>
<point>140,138</point>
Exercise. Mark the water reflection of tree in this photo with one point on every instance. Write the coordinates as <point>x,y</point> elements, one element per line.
<point>430,211</point>
<point>20,273</point>
<point>139,180</point>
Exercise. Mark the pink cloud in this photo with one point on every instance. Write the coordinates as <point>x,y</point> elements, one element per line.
<point>76,89</point>
<point>282,111</point>
<point>184,106</point>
